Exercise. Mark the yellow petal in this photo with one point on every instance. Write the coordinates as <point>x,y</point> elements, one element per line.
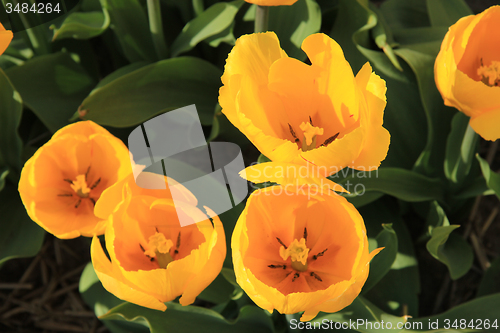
<point>487,124</point>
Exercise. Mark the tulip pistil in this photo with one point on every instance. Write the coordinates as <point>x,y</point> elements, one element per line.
<point>159,248</point>
<point>310,133</point>
<point>298,252</point>
<point>490,74</point>
<point>80,186</point>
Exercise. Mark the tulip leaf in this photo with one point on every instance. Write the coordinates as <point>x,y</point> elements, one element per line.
<point>212,22</point>
<point>461,146</point>
<point>492,178</point>
<point>405,13</point>
<point>52,86</point>
<point>20,236</point>
<point>131,27</point>
<point>100,300</point>
<point>397,292</point>
<point>178,318</point>
<point>292,24</point>
<point>403,184</point>
<point>157,88</point>
<point>382,262</point>
<point>219,291</point>
<point>361,316</point>
<point>262,159</point>
<point>451,249</point>
<point>3,174</point>
<point>10,118</point>
<point>447,12</point>
<point>477,187</point>
<point>83,25</point>
<point>489,283</point>
<point>483,311</point>
<point>121,72</point>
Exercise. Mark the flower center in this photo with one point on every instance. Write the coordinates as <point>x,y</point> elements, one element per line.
<point>310,133</point>
<point>80,186</point>
<point>298,251</point>
<point>490,74</point>
<point>159,248</point>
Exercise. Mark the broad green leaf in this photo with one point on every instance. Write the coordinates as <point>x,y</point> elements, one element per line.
<point>3,174</point>
<point>219,291</point>
<point>476,187</point>
<point>489,283</point>
<point>157,88</point>
<point>98,299</point>
<point>479,310</point>
<point>397,292</point>
<point>83,25</point>
<point>20,236</point>
<point>10,117</point>
<point>405,13</point>
<point>383,38</point>
<point>492,178</point>
<point>52,86</point>
<point>130,24</point>
<point>461,146</point>
<point>178,318</point>
<point>436,217</point>
<point>365,315</point>
<point>403,184</point>
<point>229,275</point>
<point>451,249</point>
<point>382,262</point>
<point>211,22</point>
<point>293,24</point>
<point>121,72</point>
<point>447,12</point>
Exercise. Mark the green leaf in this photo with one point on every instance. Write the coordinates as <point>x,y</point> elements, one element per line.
<point>3,174</point>
<point>100,300</point>
<point>489,283</point>
<point>447,12</point>
<point>492,178</point>
<point>211,22</point>
<point>403,184</point>
<point>382,262</point>
<point>219,291</point>
<point>451,249</point>
<point>178,318</point>
<point>121,72</point>
<point>436,217</point>
<point>262,159</point>
<point>293,24</point>
<point>476,187</point>
<point>83,25</point>
<point>130,24</point>
<point>10,118</point>
<point>405,13</point>
<point>52,86</point>
<point>157,88</point>
<point>461,146</point>
<point>362,309</point>
<point>20,236</point>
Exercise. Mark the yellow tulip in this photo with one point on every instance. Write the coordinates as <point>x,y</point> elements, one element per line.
<point>319,115</point>
<point>5,38</point>
<point>272,2</point>
<point>154,259</point>
<point>467,70</point>
<point>296,250</point>
<point>62,181</point>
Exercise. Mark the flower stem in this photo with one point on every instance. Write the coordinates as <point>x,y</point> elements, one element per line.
<point>261,18</point>
<point>198,7</point>
<point>156,28</point>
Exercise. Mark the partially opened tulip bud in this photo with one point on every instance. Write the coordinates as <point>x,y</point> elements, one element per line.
<point>154,259</point>
<point>467,70</point>
<point>61,183</point>
<point>272,2</point>
<point>318,114</point>
<point>5,38</point>
<point>297,250</point>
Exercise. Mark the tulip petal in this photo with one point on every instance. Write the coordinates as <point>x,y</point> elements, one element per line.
<point>482,124</point>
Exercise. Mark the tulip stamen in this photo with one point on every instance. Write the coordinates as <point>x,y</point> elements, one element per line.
<point>95,183</point>
<point>277,266</point>
<point>305,234</point>
<point>330,140</point>
<point>311,121</point>
<point>316,256</point>
<point>80,186</point>
<point>310,133</point>
<point>87,173</point>
<point>68,180</point>
<point>316,276</point>
<point>65,195</point>
<point>490,75</point>
<point>297,140</point>
<point>159,249</point>
<point>178,244</point>
<point>295,276</point>
<point>281,242</point>
<point>78,203</point>
<point>298,253</point>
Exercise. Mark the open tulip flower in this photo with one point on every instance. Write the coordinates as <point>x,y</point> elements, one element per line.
<point>467,70</point>
<point>61,183</point>
<point>318,114</point>
<point>5,38</point>
<point>295,250</point>
<point>154,259</point>
<point>272,2</point>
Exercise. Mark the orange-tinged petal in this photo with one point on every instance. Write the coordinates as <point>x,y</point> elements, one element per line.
<point>272,2</point>
<point>482,124</point>
<point>5,38</point>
